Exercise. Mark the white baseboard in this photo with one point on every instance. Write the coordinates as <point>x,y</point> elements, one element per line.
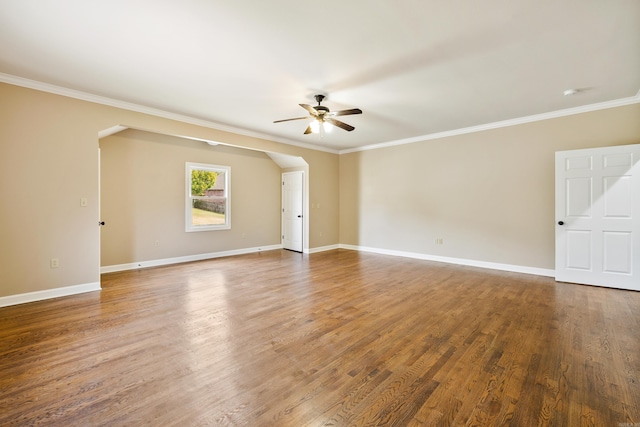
<point>414,255</point>
<point>457,261</point>
<point>90,287</point>
<point>322,249</point>
<point>181,259</point>
<point>48,294</point>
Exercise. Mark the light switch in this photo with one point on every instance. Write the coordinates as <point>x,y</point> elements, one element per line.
<point>83,202</point>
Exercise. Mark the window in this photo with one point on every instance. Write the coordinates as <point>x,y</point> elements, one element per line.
<point>207,205</point>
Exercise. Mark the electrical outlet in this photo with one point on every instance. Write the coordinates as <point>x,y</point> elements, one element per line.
<point>439,241</point>
<point>54,263</point>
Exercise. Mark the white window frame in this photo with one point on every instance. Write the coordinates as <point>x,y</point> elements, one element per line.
<point>189,226</point>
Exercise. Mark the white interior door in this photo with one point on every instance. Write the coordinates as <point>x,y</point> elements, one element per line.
<point>292,208</point>
<point>598,216</point>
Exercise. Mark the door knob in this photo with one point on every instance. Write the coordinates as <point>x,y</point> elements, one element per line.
<point>100,223</point>
<point>299,216</point>
<point>560,222</point>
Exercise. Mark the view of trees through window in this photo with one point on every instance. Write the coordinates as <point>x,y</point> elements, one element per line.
<point>201,181</point>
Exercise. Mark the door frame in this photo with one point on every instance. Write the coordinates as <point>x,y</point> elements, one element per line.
<point>591,170</point>
<point>304,223</point>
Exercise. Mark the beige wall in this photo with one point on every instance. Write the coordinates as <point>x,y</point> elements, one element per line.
<point>142,198</point>
<point>49,160</point>
<point>489,195</point>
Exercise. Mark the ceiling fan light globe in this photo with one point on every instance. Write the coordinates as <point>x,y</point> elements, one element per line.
<point>315,126</point>
<point>328,127</point>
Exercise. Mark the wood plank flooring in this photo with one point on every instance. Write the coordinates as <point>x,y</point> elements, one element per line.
<point>337,338</point>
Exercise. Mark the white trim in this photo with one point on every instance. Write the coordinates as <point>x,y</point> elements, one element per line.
<point>71,93</point>
<point>111,131</point>
<point>322,249</point>
<point>91,287</point>
<point>48,294</point>
<point>84,96</point>
<point>414,255</point>
<point>188,258</point>
<point>504,123</point>
<point>457,261</point>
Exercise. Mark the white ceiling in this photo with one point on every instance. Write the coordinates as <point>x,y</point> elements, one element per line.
<point>415,67</point>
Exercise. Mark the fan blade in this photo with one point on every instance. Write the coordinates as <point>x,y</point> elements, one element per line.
<point>308,131</point>
<point>338,123</point>
<point>347,112</point>
<point>310,109</point>
<point>288,120</point>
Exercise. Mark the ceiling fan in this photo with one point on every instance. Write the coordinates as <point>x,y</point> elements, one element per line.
<point>321,116</point>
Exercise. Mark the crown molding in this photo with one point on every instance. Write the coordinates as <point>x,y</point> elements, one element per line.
<point>103,100</point>
<point>504,123</point>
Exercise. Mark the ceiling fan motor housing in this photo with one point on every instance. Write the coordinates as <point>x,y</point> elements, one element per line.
<point>321,108</point>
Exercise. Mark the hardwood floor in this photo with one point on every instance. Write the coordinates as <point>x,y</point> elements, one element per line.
<point>330,339</point>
